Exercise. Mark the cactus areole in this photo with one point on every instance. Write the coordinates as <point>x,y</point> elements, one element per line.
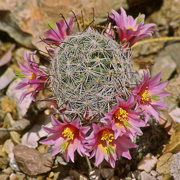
<point>89,70</point>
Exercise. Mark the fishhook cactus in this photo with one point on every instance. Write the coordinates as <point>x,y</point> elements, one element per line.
<point>89,70</point>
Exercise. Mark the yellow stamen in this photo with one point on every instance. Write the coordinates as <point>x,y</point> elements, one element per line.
<point>146,96</point>
<point>130,27</point>
<point>107,135</point>
<point>121,114</point>
<point>30,89</point>
<point>32,76</point>
<point>68,133</point>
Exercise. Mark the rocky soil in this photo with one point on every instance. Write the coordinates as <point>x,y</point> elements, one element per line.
<point>21,155</point>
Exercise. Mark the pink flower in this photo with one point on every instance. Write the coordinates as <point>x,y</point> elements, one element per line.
<point>66,137</point>
<point>104,145</point>
<point>33,78</point>
<point>125,120</point>
<point>61,30</point>
<point>150,94</point>
<point>129,29</point>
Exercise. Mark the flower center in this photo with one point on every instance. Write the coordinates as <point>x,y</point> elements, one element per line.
<point>146,96</point>
<point>68,133</point>
<point>31,89</point>
<point>107,135</point>
<point>121,114</point>
<point>32,76</point>
<point>130,27</point>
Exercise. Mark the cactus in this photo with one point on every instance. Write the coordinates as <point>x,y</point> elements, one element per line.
<point>88,70</point>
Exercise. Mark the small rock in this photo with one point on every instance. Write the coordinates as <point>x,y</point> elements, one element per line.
<point>166,177</point>
<point>15,136</point>
<point>32,137</point>
<point>51,175</point>
<point>134,174</point>
<point>3,136</point>
<point>43,148</point>
<point>146,176</point>
<point>107,173</point>
<point>174,51</point>
<point>8,120</point>
<point>14,176</point>
<point>32,162</point>
<point>6,78</point>
<point>8,146</point>
<point>147,163</point>
<point>4,176</point>
<point>76,175</point>
<point>166,121</point>
<point>175,114</point>
<point>60,160</point>
<point>3,163</point>
<point>159,177</point>
<point>94,175</point>
<point>175,166</point>
<point>13,163</point>
<point>15,94</point>
<point>2,153</point>
<point>163,163</point>
<point>20,125</point>
<point>154,173</point>
<point>174,144</point>
<point>173,88</point>
<point>7,171</point>
<point>8,105</point>
<point>166,65</point>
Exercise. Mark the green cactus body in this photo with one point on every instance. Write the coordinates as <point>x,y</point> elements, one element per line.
<point>89,70</point>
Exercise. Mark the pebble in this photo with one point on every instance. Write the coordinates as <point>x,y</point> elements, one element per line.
<point>147,163</point>
<point>14,176</point>
<point>175,166</point>
<point>8,146</point>
<point>77,176</point>
<point>32,162</point>
<point>163,164</point>
<point>32,137</point>
<point>6,78</point>
<point>13,163</point>
<point>3,136</point>
<point>174,51</point>
<point>134,174</point>
<point>15,94</point>
<point>94,174</point>
<point>107,173</point>
<point>4,176</point>
<point>3,163</point>
<point>166,65</point>
<point>174,144</point>
<point>175,114</point>
<point>154,173</point>
<point>146,176</point>
<point>7,171</point>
